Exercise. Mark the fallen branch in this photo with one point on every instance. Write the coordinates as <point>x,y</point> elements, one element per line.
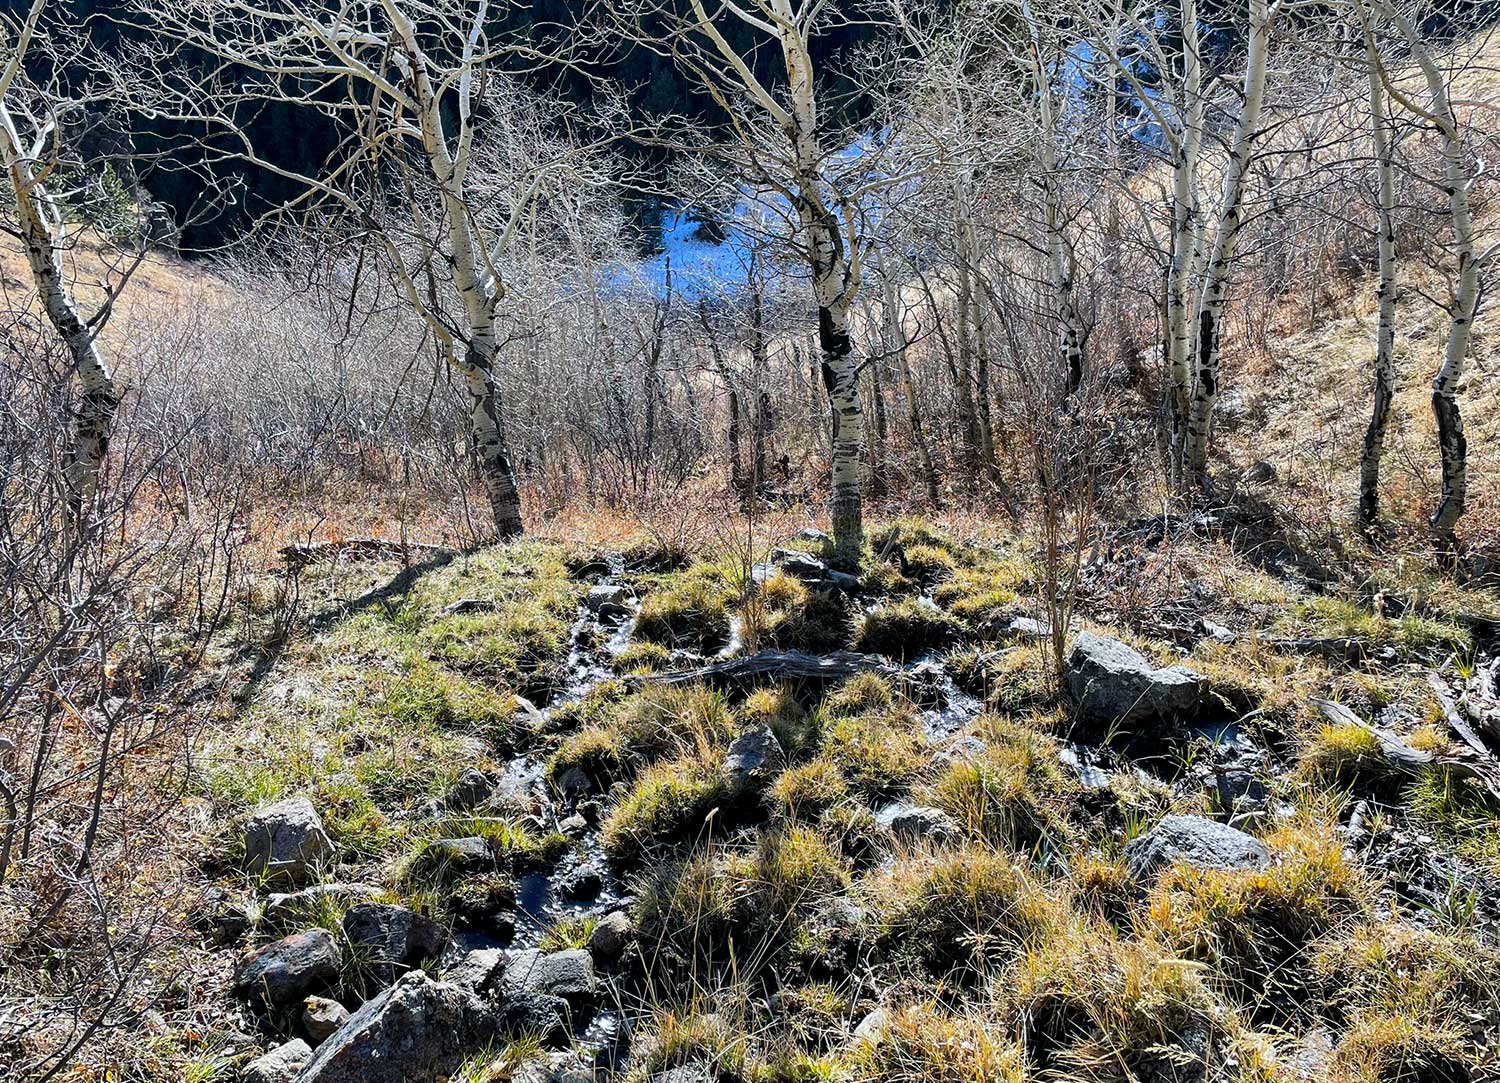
<point>1395,749</point>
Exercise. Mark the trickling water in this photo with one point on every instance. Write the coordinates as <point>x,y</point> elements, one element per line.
<point>732,647</point>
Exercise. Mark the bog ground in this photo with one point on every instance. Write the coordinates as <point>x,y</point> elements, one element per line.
<point>547,810</point>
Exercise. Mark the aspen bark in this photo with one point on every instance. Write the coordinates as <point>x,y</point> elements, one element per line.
<point>1385,293</point>
<point>1059,251</point>
<point>835,278</point>
<point>41,227</point>
<point>1453,448</point>
<point>1186,245</point>
<point>472,278</point>
<point>488,428</point>
<point>833,259</point>
<point>1452,445</point>
<point>1206,367</point>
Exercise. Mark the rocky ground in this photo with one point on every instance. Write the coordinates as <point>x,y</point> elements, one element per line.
<point>552,813</point>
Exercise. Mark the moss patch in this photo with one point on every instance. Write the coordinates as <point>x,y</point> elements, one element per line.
<point>906,629</point>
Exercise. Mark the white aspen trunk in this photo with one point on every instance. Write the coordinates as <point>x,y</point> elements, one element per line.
<point>835,279</point>
<point>41,227</point>
<point>1453,449</point>
<point>841,381</point>
<point>1059,251</point>
<point>1452,446</point>
<point>1206,368</point>
<point>1186,231</point>
<point>476,286</point>
<point>1385,293</point>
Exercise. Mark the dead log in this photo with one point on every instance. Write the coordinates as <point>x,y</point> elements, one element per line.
<point>301,555</point>
<point>1348,649</point>
<point>1481,700</point>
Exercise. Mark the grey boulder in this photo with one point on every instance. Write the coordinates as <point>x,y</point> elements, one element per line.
<point>286,839</point>
<point>479,971</point>
<point>417,1031</point>
<point>392,939</point>
<point>1114,682</point>
<point>285,971</point>
<point>280,1065</point>
<point>568,974</point>
<point>753,759</point>
<point>1195,841</point>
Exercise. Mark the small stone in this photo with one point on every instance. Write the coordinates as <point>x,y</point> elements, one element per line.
<point>527,716</point>
<point>221,915</point>
<point>469,792</point>
<point>799,565</point>
<point>753,759</point>
<point>286,839</point>
<point>280,1065</point>
<point>321,1017</point>
<point>1028,628</point>
<point>573,826</point>
<point>287,970</point>
<point>460,856</point>
<point>871,1029</point>
<point>583,882</point>
<point>1260,473</point>
<point>1238,790</point>
<point>843,580</point>
<point>812,534</point>
<point>913,823</point>
<point>608,601</point>
<point>612,936</point>
<point>1195,841</point>
<point>574,783</point>
<point>285,908</point>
